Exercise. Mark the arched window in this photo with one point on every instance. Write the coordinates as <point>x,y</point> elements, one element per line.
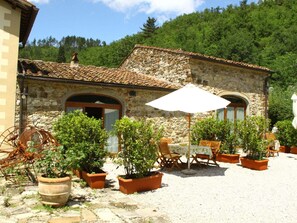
<point>100,107</point>
<point>236,110</point>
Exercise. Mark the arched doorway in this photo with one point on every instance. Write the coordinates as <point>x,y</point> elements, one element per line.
<point>236,110</point>
<point>100,107</point>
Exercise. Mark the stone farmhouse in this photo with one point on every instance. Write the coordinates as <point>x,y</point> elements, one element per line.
<point>41,91</point>
<point>46,89</point>
<point>16,20</point>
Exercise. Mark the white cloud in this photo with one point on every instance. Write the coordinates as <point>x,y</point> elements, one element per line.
<point>39,1</point>
<point>159,7</point>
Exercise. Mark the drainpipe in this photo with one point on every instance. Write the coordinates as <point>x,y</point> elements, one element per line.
<point>23,94</point>
<point>21,86</point>
<point>265,90</point>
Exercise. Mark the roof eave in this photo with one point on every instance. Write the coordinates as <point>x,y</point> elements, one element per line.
<point>61,80</point>
<point>32,10</point>
<point>213,60</point>
<point>231,64</point>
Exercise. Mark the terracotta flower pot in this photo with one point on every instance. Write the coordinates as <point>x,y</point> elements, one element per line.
<point>130,186</point>
<point>228,158</point>
<point>254,164</point>
<point>77,173</point>
<point>94,180</point>
<point>54,191</point>
<point>284,149</point>
<point>293,150</point>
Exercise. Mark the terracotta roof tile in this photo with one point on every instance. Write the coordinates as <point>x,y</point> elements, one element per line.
<point>116,76</point>
<point>205,57</point>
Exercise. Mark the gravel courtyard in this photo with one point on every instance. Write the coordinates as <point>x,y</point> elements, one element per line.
<point>228,193</point>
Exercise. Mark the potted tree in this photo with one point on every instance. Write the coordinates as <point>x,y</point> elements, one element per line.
<point>205,129</point>
<point>286,135</point>
<point>138,155</point>
<point>85,140</point>
<point>228,135</point>
<point>219,130</point>
<point>54,180</point>
<point>251,133</point>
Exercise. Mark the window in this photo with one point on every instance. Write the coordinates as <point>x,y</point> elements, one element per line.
<point>100,107</point>
<point>236,110</point>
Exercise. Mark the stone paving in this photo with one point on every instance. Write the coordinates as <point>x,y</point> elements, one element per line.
<point>20,204</point>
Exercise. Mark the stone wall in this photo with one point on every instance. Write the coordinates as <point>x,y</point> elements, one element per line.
<point>46,102</point>
<point>171,67</point>
<point>220,79</point>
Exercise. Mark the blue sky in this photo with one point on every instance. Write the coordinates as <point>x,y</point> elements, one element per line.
<point>109,20</point>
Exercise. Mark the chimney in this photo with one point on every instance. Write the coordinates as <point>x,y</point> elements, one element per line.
<point>74,60</point>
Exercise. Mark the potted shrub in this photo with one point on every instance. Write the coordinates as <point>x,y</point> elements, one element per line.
<point>205,129</point>
<point>54,181</point>
<point>85,140</point>
<point>286,135</point>
<point>251,133</point>
<point>138,155</point>
<point>228,135</point>
<point>219,130</point>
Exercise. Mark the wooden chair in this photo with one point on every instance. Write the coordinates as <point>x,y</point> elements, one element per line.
<point>201,156</point>
<point>160,159</point>
<point>167,158</point>
<point>215,148</point>
<point>271,148</point>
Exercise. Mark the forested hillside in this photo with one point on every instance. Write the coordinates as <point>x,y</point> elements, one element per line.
<point>263,33</point>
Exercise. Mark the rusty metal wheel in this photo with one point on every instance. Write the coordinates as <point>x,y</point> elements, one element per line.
<point>9,139</point>
<point>19,152</point>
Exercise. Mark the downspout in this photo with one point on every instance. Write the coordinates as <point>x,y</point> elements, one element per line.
<point>265,90</point>
<point>21,114</point>
<point>23,96</point>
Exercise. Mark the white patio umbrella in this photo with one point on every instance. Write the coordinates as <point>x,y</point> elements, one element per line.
<point>189,99</point>
<point>294,122</point>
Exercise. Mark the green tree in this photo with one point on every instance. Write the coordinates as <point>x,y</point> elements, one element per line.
<point>61,55</point>
<point>149,27</point>
<point>280,104</point>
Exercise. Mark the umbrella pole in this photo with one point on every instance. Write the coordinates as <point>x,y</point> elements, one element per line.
<point>189,140</point>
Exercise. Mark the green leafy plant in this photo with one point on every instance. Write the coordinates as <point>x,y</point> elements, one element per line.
<point>53,162</point>
<point>228,135</point>
<point>139,148</point>
<point>251,133</point>
<point>214,129</point>
<point>206,129</point>
<point>7,201</point>
<point>286,133</point>
<point>84,140</point>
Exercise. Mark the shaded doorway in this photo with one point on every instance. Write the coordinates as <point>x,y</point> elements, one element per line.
<point>94,112</point>
<point>100,107</point>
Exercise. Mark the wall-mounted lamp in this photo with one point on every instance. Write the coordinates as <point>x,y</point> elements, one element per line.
<point>24,93</point>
